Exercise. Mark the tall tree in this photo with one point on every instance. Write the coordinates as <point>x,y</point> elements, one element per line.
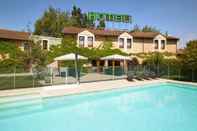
<point>52,22</point>
<point>35,56</point>
<point>80,19</point>
<point>147,28</point>
<point>77,16</point>
<point>136,28</point>
<point>189,56</point>
<point>101,24</point>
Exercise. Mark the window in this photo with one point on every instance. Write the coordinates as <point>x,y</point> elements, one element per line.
<point>121,43</point>
<point>128,43</point>
<point>45,44</point>
<point>81,41</point>
<point>90,41</point>
<point>156,44</point>
<point>163,44</point>
<point>26,46</point>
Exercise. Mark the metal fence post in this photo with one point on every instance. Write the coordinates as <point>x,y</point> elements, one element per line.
<point>66,75</point>
<point>192,75</point>
<point>14,77</point>
<point>51,75</point>
<point>179,74</point>
<point>168,71</point>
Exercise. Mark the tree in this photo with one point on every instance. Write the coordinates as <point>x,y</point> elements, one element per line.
<point>136,28</point>
<point>86,23</point>
<point>77,17</point>
<point>70,46</point>
<point>80,19</point>
<point>189,56</point>
<point>34,57</point>
<point>11,57</point>
<point>147,28</point>
<point>154,60</point>
<point>101,24</point>
<point>54,20</point>
<point>52,23</point>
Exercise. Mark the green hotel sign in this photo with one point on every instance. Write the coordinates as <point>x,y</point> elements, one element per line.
<point>109,17</point>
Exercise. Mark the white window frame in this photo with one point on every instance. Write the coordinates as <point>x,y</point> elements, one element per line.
<point>119,43</point>
<point>92,42</point>
<point>83,41</point>
<point>164,45</point>
<point>130,43</point>
<point>125,36</point>
<point>86,34</point>
<point>159,38</point>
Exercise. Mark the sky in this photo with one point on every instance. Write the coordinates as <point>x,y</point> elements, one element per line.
<point>177,17</point>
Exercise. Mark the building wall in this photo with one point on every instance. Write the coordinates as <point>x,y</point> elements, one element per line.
<point>50,40</point>
<point>171,46</point>
<point>19,43</point>
<point>139,45</point>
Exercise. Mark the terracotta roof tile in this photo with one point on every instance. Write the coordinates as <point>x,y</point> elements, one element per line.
<point>16,35</point>
<point>144,34</point>
<point>76,30</point>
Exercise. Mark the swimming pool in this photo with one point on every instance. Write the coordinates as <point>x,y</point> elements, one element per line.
<point>155,107</point>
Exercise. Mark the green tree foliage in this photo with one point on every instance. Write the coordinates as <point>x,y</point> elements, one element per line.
<point>135,61</point>
<point>80,19</point>
<point>52,23</point>
<point>54,20</point>
<point>147,28</point>
<point>21,60</point>
<point>101,24</point>
<point>11,55</point>
<point>155,59</point>
<point>136,28</point>
<point>70,46</point>
<point>8,48</point>
<point>34,57</point>
<point>189,56</point>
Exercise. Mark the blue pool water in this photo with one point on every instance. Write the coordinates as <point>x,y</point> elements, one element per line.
<point>158,107</point>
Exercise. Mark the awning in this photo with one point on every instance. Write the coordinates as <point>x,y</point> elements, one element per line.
<point>116,57</point>
<point>70,56</point>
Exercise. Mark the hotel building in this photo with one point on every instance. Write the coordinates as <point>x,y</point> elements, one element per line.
<point>129,42</point>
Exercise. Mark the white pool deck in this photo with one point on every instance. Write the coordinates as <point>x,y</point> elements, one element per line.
<point>61,90</point>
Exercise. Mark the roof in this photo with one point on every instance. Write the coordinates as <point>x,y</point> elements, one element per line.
<point>76,30</point>
<point>105,32</point>
<point>16,35</point>
<point>70,56</point>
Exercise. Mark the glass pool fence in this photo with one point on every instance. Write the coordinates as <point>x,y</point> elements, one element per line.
<point>16,78</point>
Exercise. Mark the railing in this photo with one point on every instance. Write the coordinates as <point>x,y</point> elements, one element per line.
<point>15,78</point>
<point>63,75</point>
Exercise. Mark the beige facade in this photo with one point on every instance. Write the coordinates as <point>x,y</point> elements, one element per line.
<point>45,41</point>
<point>127,42</point>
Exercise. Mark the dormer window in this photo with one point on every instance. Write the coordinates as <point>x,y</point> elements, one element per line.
<point>81,41</point>
<point>121,42</point>
<point>85,39</point>
<point>163,44</point>
<point>129,43</point>
<point>156,42</point>
<point>125,41</point>
<point>90,41</point>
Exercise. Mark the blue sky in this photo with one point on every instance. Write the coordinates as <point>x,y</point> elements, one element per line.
<point>178,17</point>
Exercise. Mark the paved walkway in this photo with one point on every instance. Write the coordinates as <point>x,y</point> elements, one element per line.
<point>61,90</point>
